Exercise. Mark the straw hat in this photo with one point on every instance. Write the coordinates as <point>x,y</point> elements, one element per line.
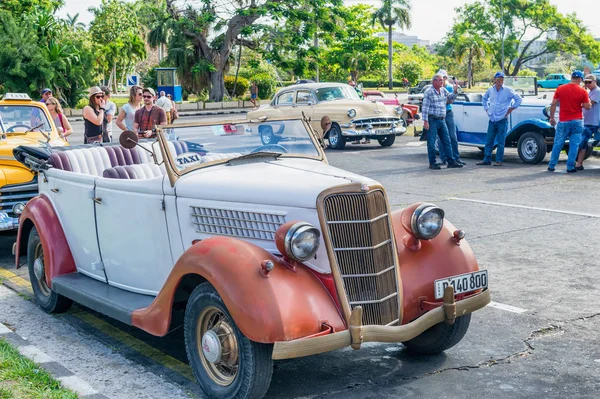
<point>94,90</point>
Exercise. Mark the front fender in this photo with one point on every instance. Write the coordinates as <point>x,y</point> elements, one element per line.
<point>286,305</point>
<point>540,123</point>
<point>435,259</point>
<point>58,259</point>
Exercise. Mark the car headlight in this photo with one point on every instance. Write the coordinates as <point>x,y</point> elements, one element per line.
<point>18,208</point>
<point>351,113</point>
<point>427,221</point>
<point>298,240</point>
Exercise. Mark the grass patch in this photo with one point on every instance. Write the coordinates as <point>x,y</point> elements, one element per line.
<point>20,378</point>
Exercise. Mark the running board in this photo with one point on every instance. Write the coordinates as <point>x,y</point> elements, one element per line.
<point>101,297</point>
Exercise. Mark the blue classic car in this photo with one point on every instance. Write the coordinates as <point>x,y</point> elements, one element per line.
<point>553,80</point>
<point>528,127</point>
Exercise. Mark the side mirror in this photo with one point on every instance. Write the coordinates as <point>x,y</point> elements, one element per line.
<point>129,140</point>
<point>310,103</point>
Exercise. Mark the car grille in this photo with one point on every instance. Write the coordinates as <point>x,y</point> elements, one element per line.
<point>375,122</point>
<point>12,194</point>
<point>360,234</point>
<point>237,223</point>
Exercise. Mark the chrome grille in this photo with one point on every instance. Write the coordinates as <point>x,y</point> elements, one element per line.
<point>361,238</point>
<point>12,194</point>
<point>237,223</point>
<point>376,122</point>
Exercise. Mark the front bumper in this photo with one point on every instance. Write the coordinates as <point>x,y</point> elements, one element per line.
<point>352,131</point>
<point>8,223</point>
<point>356,333</point>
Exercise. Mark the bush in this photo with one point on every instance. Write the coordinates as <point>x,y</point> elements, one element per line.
<point>82,103</point>
<point>242,86</point>
<point>266,85</point>
<point>373,84</point>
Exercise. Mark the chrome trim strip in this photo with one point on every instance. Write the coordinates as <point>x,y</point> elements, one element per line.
<point>375,300</point>
<point>370,274</point>
<point>393,322</point>
<point>232,227</point>
<point>24,187</point>
<point>358,221</point>
<point>16,196</point>
<point>363,248</point>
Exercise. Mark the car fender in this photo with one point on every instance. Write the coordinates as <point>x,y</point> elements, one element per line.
<point>530,125</point>
<point>286,305</point>
<point>58,259</point>
<point>430,260</point>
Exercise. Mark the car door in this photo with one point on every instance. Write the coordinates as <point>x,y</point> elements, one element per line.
<point>133,234</point>
<point>284,103</point>
<point>471,123</point>
<point>304,104</point>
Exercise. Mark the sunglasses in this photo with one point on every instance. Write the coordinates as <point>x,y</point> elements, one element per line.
<point>100,96</point>
<point>587,82</point>
<point>139,94</point>
<point>147,96</point>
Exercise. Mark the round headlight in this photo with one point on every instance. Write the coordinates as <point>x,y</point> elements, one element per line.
<point>351,113</point>
<point>18,208</point>
<point>302,241</point>
<point>427,221</point>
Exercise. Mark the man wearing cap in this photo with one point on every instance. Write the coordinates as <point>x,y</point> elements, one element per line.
<point>46,94</point>
<point>498,102</point>
<point>149,116</point>
<point>572,98</point>
<point>450,125</point>
<point>35,119</point>
<point>433,110</point>
<point>591,118</point>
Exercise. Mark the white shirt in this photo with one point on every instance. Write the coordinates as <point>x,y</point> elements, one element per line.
<point>165,103</point>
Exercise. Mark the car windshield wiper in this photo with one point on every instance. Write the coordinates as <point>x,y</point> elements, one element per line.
<point>258,154</point>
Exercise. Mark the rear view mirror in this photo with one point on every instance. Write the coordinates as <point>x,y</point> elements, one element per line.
<point>128,139</point>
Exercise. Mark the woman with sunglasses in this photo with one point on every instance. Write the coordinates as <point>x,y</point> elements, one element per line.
<point>127,113</point>
<point>94,116</point>
<point>60,120</point>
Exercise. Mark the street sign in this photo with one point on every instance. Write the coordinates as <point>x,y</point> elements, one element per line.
<point>133,80</point>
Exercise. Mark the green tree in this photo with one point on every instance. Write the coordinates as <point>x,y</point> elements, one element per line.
<point>467,47</point>
<point>392,13</point>
<point>22,7</point>
<point>527,23</point>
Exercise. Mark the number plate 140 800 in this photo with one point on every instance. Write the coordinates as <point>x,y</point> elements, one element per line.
<point>462,283</point>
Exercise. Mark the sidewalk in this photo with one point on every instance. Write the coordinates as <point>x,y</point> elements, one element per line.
<point>183,114</point>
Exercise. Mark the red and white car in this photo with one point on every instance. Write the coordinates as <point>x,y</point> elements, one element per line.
<point>261,252</point>
<point>410,112</point>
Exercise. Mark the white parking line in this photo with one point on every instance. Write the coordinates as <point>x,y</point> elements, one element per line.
<point>415,143</point>
<point>508,308</point>
<point>533,208</point>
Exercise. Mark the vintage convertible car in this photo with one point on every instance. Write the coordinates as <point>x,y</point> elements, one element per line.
<point>261,252</point>
<point>349,117</point>
<point>22,121</point>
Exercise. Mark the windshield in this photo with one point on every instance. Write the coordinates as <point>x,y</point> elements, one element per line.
<point>523,85</point>
<point>23,118</point>
<point>336,93</point>
<point>192,146</point>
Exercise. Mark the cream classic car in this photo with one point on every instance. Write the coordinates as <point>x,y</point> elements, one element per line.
<point>347,117</point>
<point>261,252</point>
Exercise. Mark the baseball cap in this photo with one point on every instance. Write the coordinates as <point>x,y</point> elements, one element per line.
<point>443,73</point>
<point>150,90</point>
<point>499,75</point>
<point>577,74</point>
<point>46,90</point>
<point>590,77</point>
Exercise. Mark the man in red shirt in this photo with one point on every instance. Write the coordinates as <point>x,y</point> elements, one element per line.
<point>149,116</point>
<point>572,98</point>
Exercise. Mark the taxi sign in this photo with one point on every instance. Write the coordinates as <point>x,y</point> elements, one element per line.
<point>16,96</point>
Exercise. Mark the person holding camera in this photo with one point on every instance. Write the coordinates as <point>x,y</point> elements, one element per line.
<point>94,116</point>
<point>450,124</point>
<point>149,116</point>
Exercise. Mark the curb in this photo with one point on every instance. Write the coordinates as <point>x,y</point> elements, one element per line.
<point>186,114</point>
<point>67,378</point>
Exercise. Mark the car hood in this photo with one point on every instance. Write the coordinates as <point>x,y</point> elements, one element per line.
<point>290,182</point>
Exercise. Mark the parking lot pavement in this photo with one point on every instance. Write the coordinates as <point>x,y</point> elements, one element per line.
<point>534,231</point>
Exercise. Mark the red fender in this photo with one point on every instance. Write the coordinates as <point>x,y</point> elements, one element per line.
<point>58,259</point>
<point>421,265</point>
<point>284,306</point>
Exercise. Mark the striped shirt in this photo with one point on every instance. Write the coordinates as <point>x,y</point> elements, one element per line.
<point>434,102</point>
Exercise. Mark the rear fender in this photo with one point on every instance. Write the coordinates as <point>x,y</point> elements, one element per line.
<point>433,259</point>
<point>58,259</point>
<point>284,306</point>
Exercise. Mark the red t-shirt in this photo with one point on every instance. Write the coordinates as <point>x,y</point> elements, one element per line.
<point>570,97</point>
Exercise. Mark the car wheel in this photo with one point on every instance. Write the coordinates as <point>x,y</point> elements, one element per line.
<point>225,362</point>
<point>336,140</point>
<point>440,337</point>
<point>266,135</point>
<point>532,148</point>
<point>47,299</point>
<point>386,141</point>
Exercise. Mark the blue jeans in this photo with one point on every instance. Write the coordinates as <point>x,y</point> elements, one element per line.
<point>437,127</point>
<point>571,130</point>
<point>453,139</point>
<point>496,132</point>
<point>588,132</point>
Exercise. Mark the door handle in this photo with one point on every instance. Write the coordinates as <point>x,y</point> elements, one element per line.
<point>97,200</point>
<point>465,112</point>
<point>54,190</point>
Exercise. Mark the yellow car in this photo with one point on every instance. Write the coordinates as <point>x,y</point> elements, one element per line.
<point>348,118</point>
<point>22,122</point>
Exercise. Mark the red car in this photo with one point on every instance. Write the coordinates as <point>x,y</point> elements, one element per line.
<point>410,111</point>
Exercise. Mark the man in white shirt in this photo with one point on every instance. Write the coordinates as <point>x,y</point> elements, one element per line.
<point>165,103</point>
<point>591,118</point>
<point>111,110</point>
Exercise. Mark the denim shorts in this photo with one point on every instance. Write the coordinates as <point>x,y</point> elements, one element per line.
<point>588,132</point>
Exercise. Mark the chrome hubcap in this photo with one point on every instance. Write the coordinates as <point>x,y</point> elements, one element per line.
<point>333,138</point>
<point>211,346</point>
<point>530,148</point>
<point>38,268</point>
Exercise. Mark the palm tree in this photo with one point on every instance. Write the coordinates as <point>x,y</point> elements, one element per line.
<point>392,13</point>
<point>471,47</point>
<point>72,21</point>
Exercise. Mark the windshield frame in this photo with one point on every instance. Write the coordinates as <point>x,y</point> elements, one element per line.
<point>174,174</point>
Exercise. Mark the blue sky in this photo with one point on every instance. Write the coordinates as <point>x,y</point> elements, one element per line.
<point>426,24</point>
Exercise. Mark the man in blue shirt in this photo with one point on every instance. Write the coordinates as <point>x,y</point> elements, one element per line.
<point>433,110</point>
<point>498,102</point>
<point>450,125</point>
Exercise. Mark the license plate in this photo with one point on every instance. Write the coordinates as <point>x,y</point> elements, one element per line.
<point>382,131</point>
<point>462,283</point>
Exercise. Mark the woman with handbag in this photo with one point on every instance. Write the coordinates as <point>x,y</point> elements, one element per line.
<point>94,116</point>
<point>60,120</point>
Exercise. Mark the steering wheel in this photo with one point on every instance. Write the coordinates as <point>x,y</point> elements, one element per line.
<point>13,127</point>
<point>270,148</point>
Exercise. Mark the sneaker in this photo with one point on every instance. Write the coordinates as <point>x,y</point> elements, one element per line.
<point>483,163</point>
<point>434,166</point>
<point>442,162</point>
<point>498,164</point>
<point>550,169</point>
<point>579,167</point>
<point>571,170</point>
<point>461,162</point>
<point>454,165</point>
